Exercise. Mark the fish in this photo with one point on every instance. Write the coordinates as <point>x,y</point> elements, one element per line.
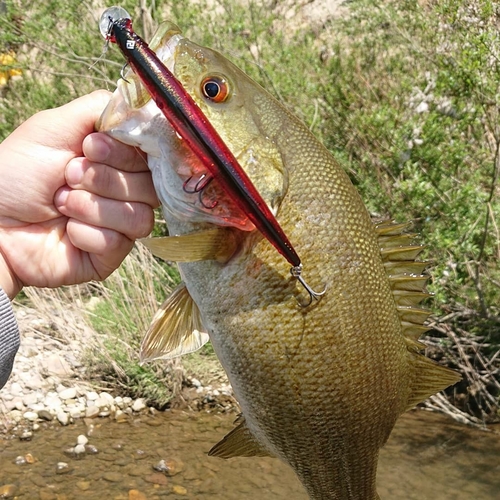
<point>320,386</point>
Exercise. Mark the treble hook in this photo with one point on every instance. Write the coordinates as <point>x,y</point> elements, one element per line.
<point>296,272</point>
<point>122,72</point>
<point>199,187</point>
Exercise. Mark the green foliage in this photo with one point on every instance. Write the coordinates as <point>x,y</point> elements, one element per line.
<point>413,95</point>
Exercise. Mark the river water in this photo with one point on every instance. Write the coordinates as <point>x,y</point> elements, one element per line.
<point>427,457</point>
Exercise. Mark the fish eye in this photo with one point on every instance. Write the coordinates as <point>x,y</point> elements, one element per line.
<point>215,88</point>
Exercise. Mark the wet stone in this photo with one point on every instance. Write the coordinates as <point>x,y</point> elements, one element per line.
<point>153,422</point>
<point>135,471</point>
<point>170,467</point>
<point>112,477</point>
<point>140,455</point>
<point>8,491</point>
<point>26,435</point>
<point>83,485</point>
<point>136,495</point>
<point>91,449</point>
<point>38,481</point>
<point>157,478</point>
<point>107,457</point>
<point>45,415</point>
<point>62,468</point>
<point>82,439</point>
<point>47,494</point>
<point>179,490</point>
<point>79,449</point>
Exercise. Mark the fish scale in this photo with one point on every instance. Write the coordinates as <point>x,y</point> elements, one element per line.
<point>320,387</point>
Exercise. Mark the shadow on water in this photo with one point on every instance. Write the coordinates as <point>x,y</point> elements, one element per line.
<point>427,457</point>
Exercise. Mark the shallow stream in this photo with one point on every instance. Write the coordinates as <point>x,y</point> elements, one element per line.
<point>427,457</point>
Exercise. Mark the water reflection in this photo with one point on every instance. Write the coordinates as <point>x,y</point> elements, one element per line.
<point>428,456</point>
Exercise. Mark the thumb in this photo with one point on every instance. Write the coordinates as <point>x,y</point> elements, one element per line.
<point>65,127</point>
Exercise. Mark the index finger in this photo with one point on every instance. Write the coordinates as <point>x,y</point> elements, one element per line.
<point>101,148</point>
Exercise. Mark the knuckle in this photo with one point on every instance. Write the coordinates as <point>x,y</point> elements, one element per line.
<point>142,220</point>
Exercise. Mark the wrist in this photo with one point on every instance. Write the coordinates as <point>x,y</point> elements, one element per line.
<point>9,282</point>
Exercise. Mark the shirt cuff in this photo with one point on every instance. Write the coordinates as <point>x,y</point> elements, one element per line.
<point>9,338</point>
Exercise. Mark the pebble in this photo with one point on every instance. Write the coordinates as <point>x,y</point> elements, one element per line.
<point>26,435</point>
<point>136,495</point>
<point>170,467</point>
<point>45,415</point>
<point>138,405</point>
<point>8,490</point>
<point>62,468</point>
<point>179,490</point>
<point>156,478</point>
<point>92,411</point>
<point>83,485</point>
<point>112,477</point>
<point>91,449</point>
<point>82,439</point>
<point>79,449</point>
<point>69,393</point>
<point>63,418</point>
<point>30,415</point>
<point>91,396</point>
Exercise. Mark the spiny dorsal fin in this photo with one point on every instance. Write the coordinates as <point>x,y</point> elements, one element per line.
<point>212,244</point>
<point>428,378</point>
<point>239,443</point>
<point>176,328</point>
<point>408,283</point>
<point>405,276</point>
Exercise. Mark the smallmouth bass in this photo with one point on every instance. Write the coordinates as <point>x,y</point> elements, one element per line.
<point>320,387</point>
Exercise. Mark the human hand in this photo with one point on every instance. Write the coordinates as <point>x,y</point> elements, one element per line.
<point>72,202</point>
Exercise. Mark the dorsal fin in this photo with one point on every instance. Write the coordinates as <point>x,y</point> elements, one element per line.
<point>405,276</point>
<point>408,284</point>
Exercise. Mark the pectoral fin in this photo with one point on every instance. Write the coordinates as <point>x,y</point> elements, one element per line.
<point>176,328</point>
<point>213,244</point>
<point>239,443</point>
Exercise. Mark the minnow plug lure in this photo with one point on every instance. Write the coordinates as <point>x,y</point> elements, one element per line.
<point>190,123</point>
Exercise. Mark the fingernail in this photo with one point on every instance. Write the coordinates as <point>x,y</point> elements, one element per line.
<point>96,148</point>
<point>61,196</point>
<point>74,172</point>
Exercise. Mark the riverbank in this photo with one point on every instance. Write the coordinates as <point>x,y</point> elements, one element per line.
<point>50,381</point>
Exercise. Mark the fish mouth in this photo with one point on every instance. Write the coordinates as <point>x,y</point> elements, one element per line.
<point>131,95</point>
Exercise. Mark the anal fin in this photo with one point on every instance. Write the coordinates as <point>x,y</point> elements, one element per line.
<point>239,443</point>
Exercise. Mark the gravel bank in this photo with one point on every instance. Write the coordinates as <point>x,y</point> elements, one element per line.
<point>49,382</point>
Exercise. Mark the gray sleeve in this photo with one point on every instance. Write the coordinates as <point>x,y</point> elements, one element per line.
<point>9,338</point>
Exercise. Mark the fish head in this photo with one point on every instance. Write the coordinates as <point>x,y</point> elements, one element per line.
<point>225,95</point>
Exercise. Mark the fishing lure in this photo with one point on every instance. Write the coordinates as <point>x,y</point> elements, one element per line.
<point>188,120</point>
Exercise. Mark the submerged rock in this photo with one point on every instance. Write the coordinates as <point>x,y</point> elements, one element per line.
<point>8,491</point>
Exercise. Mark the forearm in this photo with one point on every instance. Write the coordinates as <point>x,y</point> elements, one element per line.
<point>9,338</point>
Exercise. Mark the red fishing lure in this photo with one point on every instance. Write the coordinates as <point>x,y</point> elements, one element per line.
<point>188,120</point>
